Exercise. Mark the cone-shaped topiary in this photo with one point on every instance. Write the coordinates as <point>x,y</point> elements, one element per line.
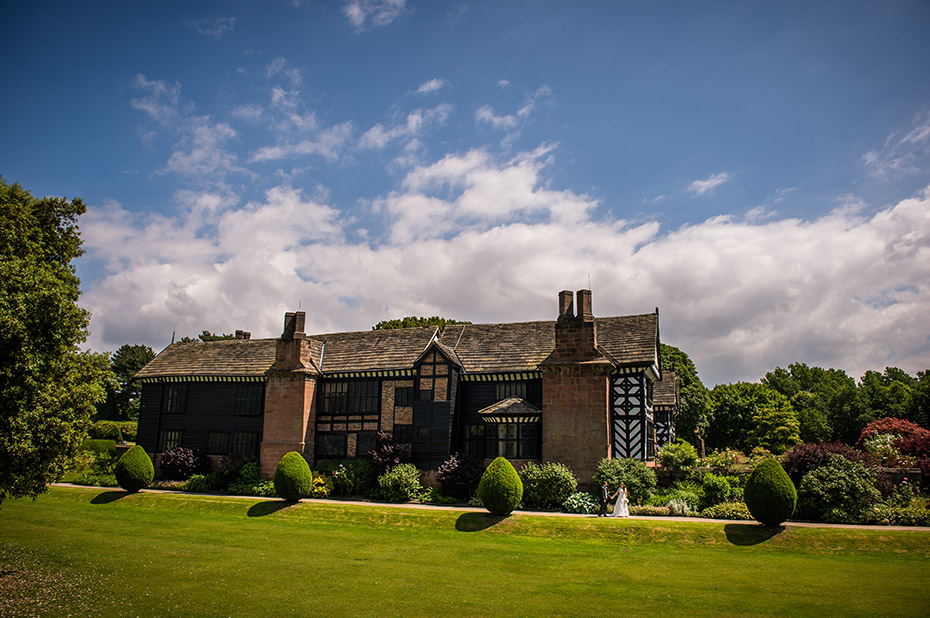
<point>293,479</point>
<point>500,488</point>
<point>134,470</point>
<point>769,493</point>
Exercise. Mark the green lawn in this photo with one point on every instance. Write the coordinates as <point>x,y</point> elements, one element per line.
<point>88,552</point>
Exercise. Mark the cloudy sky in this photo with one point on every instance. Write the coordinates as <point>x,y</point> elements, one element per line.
<point>758,171</point>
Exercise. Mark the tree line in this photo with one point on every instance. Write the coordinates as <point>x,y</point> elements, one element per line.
<point>799,403</point>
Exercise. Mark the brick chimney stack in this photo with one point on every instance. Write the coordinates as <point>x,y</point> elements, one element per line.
<point>292,350</point>
<point>294,322</point>
<point>243,334</point>
<point>575,335</point>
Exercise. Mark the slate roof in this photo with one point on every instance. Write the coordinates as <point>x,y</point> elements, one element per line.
<point>234,357</point>
<point>478,348</point>
<point>665,391</point>
<point>374,350</point>
<point>522,346</point>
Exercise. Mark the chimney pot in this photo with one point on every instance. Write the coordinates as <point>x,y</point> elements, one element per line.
<point>566,308</point>
<point>294,323</point>
<point>584,305</point>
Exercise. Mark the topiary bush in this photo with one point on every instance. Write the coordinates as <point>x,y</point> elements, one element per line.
<point>547,485</point>
<point>459,476</point>
<point>678,455</point>
<point>400,484</point>
<point>581,502</point>
<point>292,478</point>
<point>179,463</point>
<point>639,478</point>
<point>500,488</point>
<point>134,470</point>
<point>769,494</point>
<point>841,491</point>
<point>105,430</point>
<point>128,431</point>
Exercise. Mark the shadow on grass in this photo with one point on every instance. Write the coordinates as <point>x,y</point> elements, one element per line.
<point>474,522</point>
<point>268,507</point>
<point>106,497</point>
<point>750,534</point>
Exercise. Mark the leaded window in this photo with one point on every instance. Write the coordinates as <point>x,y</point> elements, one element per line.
<point>330,446</point>
<point>169,438</point>
<point>218,442</point>
<point>249,399</point>
<point>174,399</point>
<point>473,442</point>
<point>506,390</point>
<point>355,397</point>
<point>403,396</point>
<point>245,443</point>
<point>513,440</point>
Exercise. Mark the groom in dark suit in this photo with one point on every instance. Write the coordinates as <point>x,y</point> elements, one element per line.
<point>605,496</point>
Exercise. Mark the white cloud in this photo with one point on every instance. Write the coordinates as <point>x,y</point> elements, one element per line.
<point>511,122</point>
<point>414,124</point>
<point>202,153</point>
<point>250,112</point>
<point>700,187</point>
<point>907,154</point>
<point>279,66</point>
<point>503,83</point>
<point>160,100</point>
<point>488,240</point>
<point>362,13</point>
<point>432,85</point>
<point>214,27</point>
<point>326,144</point>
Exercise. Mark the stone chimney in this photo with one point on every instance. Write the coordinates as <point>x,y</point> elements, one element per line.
<point>575,335</point>
<point>243,334</point>
<point>291,347</point>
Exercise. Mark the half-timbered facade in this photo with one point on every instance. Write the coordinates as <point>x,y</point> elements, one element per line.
<point>573,390</point>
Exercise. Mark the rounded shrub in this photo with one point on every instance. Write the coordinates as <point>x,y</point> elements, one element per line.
<point>293,479</point>
<point>134,470</point>
<point>500,488</point>
<point>769,494</point>
<point>841,491</point>
<point>547,485</point>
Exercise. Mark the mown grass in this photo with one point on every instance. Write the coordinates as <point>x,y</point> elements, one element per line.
<point>152,554</point>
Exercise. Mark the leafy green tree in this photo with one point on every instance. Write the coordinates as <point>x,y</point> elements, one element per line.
<point>920,401</point>
<point>776,425</point>
<point>48,388</point>
<point>413,322</point>
<point>122,401</point>
<point>887,394</point>
<point>825,401</point>
<point>695,399</point>
<point>206,336</point>
<point>736,409</point>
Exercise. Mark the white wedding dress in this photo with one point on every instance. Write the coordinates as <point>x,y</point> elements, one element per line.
<point>622,507</point>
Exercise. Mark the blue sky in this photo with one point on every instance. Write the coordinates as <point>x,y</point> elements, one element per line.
<point>759,171</point>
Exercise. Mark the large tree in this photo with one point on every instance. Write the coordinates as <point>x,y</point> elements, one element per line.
<point>695,401</point>
<point>123,396</point>
<point>745,415</point>
<point>825,401</point>
<point>412,321</point>
<point>48,388</point>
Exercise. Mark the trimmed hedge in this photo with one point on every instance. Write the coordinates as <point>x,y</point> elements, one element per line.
<point>547,485</point>
<point>293,479</point>
<point>769,494</point>
<point>728,510</point>
<point>500,488</point>
<point>134,470</point>
<point>101,447</point>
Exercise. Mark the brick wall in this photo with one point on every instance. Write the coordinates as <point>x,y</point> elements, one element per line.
<point>290,415</point>
<point>576,417</point>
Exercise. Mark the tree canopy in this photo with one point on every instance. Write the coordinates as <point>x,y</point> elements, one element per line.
<point>695,400</point>
<point>48,388</point>
<point>207,336</point>
<point>122,402</point>
<point>413,322</point>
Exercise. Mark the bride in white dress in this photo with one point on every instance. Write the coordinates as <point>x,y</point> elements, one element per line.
<point>622,506</point>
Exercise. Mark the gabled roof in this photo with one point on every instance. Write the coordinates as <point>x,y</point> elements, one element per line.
<point>522,346</point>
<point>374,350</point>
<point>665,392</point>
<point>234,357</point>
